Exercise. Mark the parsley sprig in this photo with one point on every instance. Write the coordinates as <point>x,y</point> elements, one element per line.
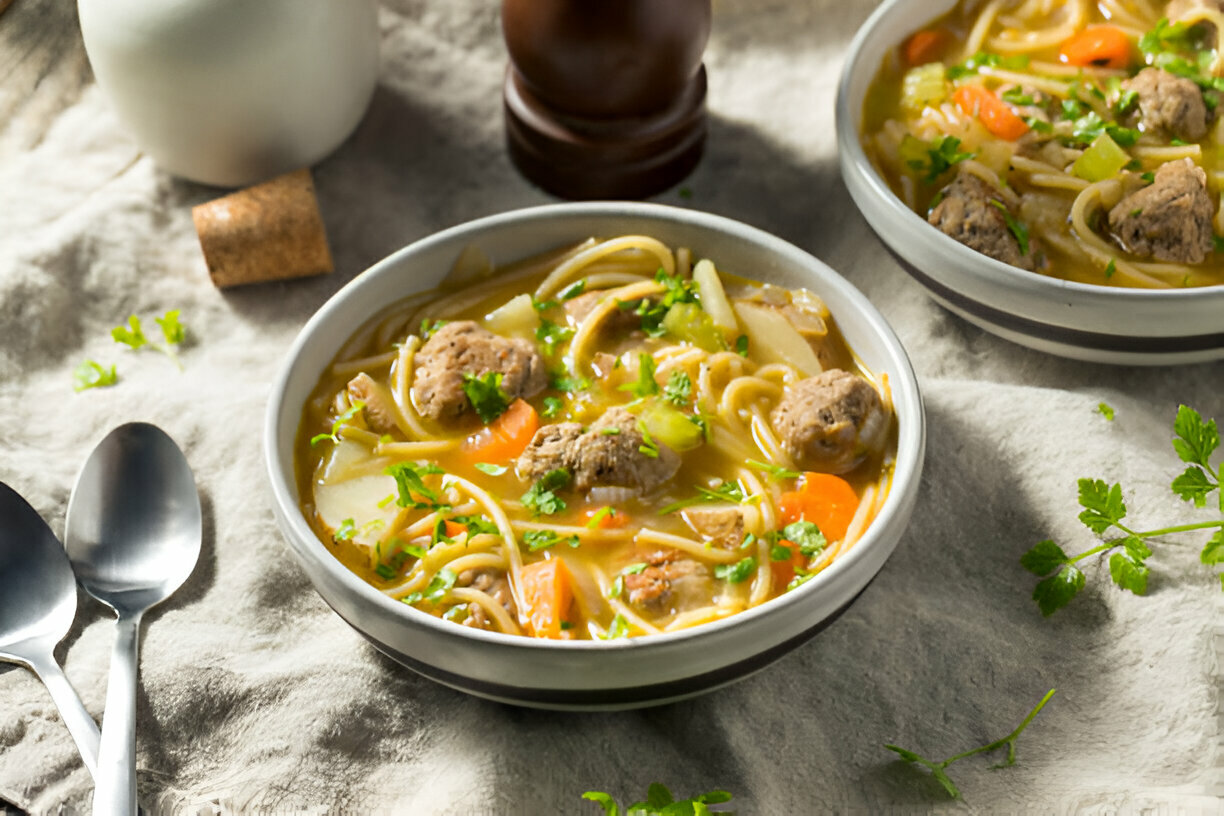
<point>938,768</point>
<point>659,801</point>
<point>723,492</point>
<point>1104,509</point>
<point>541,497</point>
<point>486,394</point>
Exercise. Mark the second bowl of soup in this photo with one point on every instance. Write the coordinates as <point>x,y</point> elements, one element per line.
<point>594,455</point>
<point>1048,170</point>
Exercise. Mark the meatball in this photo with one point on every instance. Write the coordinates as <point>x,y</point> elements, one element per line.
<point>577,309</point>
<point>462,347</point>
<point>971,211</point>
<point>1169,104</point>
<point>380,409</point>
<point>1170,219</point>
<point>720,526</point>
<point>493,583</point>
<point>831,422</point>
<point>608,454</point>
<point>669,583</point>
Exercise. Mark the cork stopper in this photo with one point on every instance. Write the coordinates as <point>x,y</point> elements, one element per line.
<point>605,98</point>
<point>272,231</point>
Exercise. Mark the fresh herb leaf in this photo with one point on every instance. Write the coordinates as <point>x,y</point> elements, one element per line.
<point>552,407</point>
<point>90,374</point>
<point>1044,558</point>
<point>985,59</point>
<point>410,482</point>
<point>1055,592</point>
<point>428,327</point>
<point>940,156</point>
<point>573,290</point>
<point>1196,440</point>
<point>541,498</point>
<point>552,335</point>
<point>1111,268</point>
<point>938,769</point>
<point>491,469</point>
<point>486,394</point>
<point>738,572</point>
<point>1015,226</point>
<point>477,525</point>
<point>130,335</point>
<point>563,381</point>
<point>645,384</point>
<point>806,535</point>
<point>1106,410</point>
<point>777,471</point>
<point>679,388</point>
<point>172,329</point>
<point>1017,96</point>
<point>344,419</point>
<point>607,511</point>
<point>618,629</point>
<point>1103,505</point>
<point>537,540</point>
<point>723,492</point>
<point>345,531</point>
<point>649,447</point>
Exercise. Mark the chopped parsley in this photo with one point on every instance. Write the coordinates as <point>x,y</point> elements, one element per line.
<point>345,531</point>
<point>1014,225</point>
<point>552,406</point>
<point>609,431</point>
<point>806,536</point>
<point>562,380</point>
<point>130,335</point>
<point>985,59</point>
<point>1106,410</point>
<point>573,290</point>
<point>1111,268</point>
<point>1017,96</point>
<point>645,384</point>
<point>679,388</point>
<point>738,572</point>
<point>618,629</point>
<point>724,492</point>
<point>607,511</point>
<point>477,525</point>
<point>428,327</point>
<point>90,374</point>
<point>552,335</point>
<point>438,586</point>
<point>490,469</point>
<point>486,394</point>
<point>409,481</point>
<point>537,540</point>
<point>340,421</point>
<point>649,447</point>
<point>933,159</point>
<point>777,471</point>
<point>541,498</point>
<point>741,345</point>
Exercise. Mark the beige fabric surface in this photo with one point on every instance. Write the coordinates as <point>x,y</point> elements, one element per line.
<point>255,697</point>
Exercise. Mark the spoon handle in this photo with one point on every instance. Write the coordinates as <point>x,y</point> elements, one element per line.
<point>115,792</point>
<point>79,721</point>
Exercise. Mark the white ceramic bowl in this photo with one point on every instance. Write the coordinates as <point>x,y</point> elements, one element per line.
<point>586,674</point>
<point>1083,321</point>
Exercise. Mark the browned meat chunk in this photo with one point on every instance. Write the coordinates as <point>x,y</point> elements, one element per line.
<point>1169,105</point>
<point>379,408</point>
<point>492,583</point>
<point>606,455</point>
<point>1170,219</point>
<point>831,422</point>
<point>462,347</point>
<point>669,583</point>
<point>720,526</point>
<point>972,212</point>
<point>620,319</point>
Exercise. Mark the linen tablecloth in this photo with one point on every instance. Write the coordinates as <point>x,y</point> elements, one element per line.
<point>255,697</point>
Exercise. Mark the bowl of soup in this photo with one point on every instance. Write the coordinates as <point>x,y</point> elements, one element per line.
<point>1048,171</point>
<point>594,455</point>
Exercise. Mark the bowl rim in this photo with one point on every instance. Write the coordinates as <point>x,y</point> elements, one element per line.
<point>983,268</point>
<point>909,413</point>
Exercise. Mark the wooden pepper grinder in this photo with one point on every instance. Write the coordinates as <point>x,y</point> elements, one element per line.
<point>605,98</point>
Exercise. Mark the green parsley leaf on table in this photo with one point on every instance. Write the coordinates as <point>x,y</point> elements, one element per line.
<point>131,335</point>
<point>1195,442</point>
<point>660,801</point>
<point>90,374</point>
<point>939,769</point>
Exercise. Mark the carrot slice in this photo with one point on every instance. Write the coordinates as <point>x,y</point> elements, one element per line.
<point>826,500</point>
<point>548,594</point>
<point>993,112</point>
<point>453,528</point>
<point>1104,46</point>
<point>924,46</point>
<point>784,571</point>
<point>506,437</point>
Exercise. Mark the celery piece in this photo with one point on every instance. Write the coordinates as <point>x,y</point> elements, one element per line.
<point>671,427</point>
<point>1103,159</point>
<point>923,86</point>
<point>688,322</point>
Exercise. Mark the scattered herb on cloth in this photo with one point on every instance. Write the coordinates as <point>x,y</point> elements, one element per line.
<point>660,802</point>
<point>1195,442</point>
<point>938,768</point>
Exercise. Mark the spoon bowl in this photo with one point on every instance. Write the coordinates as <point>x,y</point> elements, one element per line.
<point>38,602</point>
<point>133,536</point>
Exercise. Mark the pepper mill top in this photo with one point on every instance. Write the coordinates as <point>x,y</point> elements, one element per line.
<point>605,98</point>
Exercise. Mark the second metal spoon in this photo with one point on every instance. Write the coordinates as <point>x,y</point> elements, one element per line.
<point>133,535</point>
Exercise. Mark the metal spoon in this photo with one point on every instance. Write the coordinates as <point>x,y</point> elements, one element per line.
<point>38,601</point>
<point>133,536</point>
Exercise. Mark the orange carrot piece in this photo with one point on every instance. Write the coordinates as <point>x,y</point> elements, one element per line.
<point>784,571</point>
<point>506,437</point>
<point>1104,46</point>
<point>925,46</point>
<point>548,594</point>
<point>826,500</point>
<point>453,528</point>
<point>994,113</point>
<point>612,520</point>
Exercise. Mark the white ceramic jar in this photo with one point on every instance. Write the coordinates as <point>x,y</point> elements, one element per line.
<point>231,92</point>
